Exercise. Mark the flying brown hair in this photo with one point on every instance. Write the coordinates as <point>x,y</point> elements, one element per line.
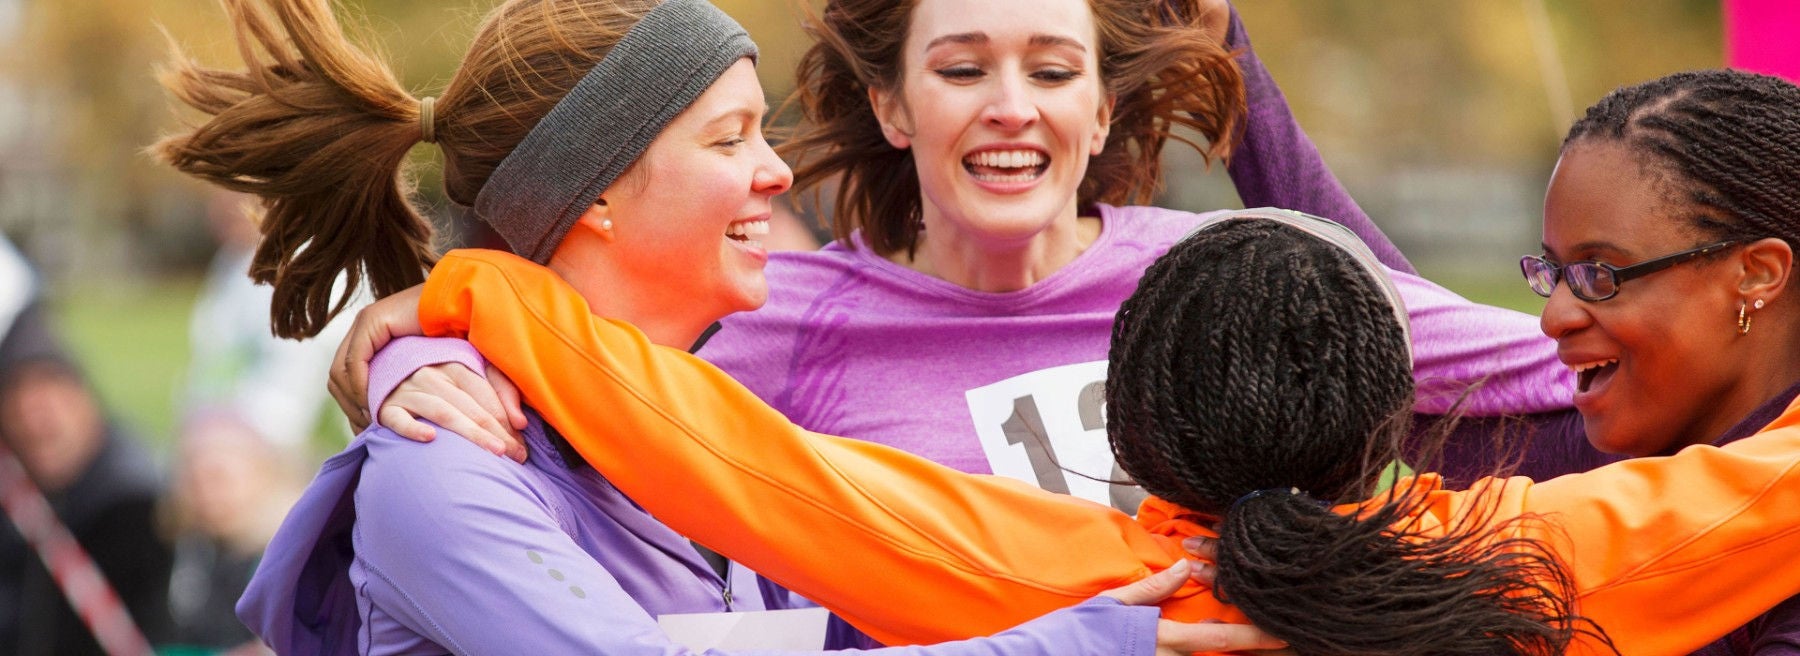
<point>319,128</point>
<point>1162,67</point>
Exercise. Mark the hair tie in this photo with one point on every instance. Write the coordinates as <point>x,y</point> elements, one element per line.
<point>1265,492</point>
<point>428,119</point>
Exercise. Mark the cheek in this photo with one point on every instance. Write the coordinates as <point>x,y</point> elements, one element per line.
<point>1675,355</point>
<point>693,206</point>
<point>1078,116</point>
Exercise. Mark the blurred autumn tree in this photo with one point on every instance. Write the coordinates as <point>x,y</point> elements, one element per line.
<point>1409,99</point>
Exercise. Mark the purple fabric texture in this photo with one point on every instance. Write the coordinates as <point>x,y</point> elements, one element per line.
<point>407,548</point>
<point>405,355</point>
<point>853,344</point>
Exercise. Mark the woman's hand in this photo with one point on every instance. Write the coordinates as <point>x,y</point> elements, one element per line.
<point>376,325</point>
<point>486,411</point>
<point>1180,638</point>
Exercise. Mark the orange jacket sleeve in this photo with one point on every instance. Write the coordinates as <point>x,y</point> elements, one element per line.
<point>1667,553</point>
<point>1670,553</point>
<point>907,550</point>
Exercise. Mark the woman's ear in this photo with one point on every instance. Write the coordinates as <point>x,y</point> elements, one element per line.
<point>1767,264</point>
<point>1103,126</point>
<point>896,124</point>
<point>597,221</point>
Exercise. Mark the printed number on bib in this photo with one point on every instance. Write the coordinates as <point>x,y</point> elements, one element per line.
<point>1048,428</point>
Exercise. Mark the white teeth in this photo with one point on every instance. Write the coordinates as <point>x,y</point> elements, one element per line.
<point>1017,177</point>
<point>1579,368</point>
<point>748,229</point>
<point>1007,159</point>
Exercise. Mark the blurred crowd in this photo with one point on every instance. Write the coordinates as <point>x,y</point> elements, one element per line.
<point>173,546</point>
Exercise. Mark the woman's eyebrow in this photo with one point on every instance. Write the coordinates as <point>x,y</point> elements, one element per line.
<point>1589,247</point>
<point>1054,41</point>
<point>961,38</point>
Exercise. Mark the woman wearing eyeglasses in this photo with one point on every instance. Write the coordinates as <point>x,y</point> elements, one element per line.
<point>1672,218</point>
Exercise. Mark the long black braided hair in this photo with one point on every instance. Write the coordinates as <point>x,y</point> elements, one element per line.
<point>1255,358</point>
<point>1731,139</point>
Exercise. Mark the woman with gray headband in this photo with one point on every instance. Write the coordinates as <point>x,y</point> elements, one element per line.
<point>618,143</point>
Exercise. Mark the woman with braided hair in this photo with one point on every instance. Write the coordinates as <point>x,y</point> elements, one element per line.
<point>1258,382</point>
<point>1694,177</point>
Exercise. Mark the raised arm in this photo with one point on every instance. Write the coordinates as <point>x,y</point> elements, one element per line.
<point>1275,165</point>
<point>956,555</point>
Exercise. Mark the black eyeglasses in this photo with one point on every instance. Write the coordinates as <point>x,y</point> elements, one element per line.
<point>1598,281</point>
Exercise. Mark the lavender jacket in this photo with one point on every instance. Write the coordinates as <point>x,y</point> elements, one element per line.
<point>407,548</point>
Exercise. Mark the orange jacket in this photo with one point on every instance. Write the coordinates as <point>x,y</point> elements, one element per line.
<point>1667,553</point>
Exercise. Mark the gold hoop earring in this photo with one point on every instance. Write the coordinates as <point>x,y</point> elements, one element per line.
<point>1744,317</point>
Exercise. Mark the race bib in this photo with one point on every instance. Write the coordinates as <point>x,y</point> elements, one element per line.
<point>1048,428</point>
<point>800,629</point>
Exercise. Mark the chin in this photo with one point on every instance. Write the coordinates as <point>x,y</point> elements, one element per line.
<point>750,296</point>
<point>1610,438</point>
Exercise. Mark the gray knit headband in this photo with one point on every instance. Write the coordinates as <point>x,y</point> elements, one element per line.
<point>1336,235</point>
<point>593,134</point>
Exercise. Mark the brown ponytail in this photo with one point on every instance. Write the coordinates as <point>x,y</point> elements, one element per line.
<point>320,129</point>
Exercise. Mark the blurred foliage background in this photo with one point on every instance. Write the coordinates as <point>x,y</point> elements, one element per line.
<point>1442,116</point>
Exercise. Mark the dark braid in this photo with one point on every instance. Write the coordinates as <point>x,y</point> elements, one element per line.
<point>1268,367</point>
<point>1731,138</point>
<point>1256,357</point>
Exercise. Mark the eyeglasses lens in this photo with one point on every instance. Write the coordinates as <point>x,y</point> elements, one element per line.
<point>1588,281</point>
<point>1539,275</point>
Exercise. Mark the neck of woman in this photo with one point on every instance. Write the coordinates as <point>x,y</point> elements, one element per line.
<point>994,261</point>
<point>665,323</point>
<point>1771,367</point>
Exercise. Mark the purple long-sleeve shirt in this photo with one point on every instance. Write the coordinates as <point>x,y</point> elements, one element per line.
<point>407,548</point>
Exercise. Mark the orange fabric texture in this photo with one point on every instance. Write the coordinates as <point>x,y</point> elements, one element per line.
<point>1667,553</point>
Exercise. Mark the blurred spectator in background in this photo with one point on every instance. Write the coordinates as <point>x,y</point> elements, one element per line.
<point>231,489</point>
<point>277,386</point>
<point>251,407</point>
<point>100,484</point>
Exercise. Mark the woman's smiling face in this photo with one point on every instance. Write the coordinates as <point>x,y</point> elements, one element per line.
<point>1655,363</point>
<point>1001,104</point>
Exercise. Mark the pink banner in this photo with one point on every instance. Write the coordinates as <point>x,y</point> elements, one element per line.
<point>1763,36</point>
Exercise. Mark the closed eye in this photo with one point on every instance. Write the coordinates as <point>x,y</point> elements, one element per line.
<point>960,72</point>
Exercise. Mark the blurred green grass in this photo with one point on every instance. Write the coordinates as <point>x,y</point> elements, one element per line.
<point>1507,291</point>
<point>132,339</point>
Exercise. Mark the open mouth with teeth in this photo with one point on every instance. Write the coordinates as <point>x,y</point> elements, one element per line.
<point>1007,166</point>
<point>1594,375</point>
<point>748,233</point>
